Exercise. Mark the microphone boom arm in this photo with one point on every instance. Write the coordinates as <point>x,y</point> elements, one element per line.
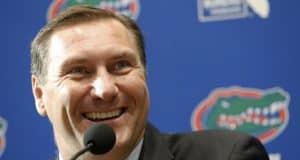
<point>87,148</point>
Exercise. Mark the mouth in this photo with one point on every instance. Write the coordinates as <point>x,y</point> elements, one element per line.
<point>267,116</point>
<point>102,116</point>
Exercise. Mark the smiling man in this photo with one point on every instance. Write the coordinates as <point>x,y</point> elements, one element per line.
<point>89,67</point>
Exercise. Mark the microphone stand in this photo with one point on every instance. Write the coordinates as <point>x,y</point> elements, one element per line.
<point>86,148</point>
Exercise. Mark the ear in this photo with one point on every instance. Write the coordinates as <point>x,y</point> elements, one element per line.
<point>37,91</point>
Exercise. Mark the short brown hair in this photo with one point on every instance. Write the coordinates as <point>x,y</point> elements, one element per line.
<point>72,16</point>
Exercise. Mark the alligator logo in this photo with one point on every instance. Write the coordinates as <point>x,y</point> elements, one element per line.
<point>3,127</point>
<point>217,10</point>
<point>261,113</point>
<point>126,7</point>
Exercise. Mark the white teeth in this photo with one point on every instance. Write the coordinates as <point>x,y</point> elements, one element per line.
<point>275,107</point>
<point>266,111</point>
<point>253,115</point>
<point>257,111</point>
<point>250,111</point>
<point>103,115</point>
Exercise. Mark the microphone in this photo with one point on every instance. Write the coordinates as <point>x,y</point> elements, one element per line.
<point>98,139</point>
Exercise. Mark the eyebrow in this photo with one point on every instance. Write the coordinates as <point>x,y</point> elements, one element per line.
<point>123,54</point>
<point>71,61</point>
<point>83,60</point>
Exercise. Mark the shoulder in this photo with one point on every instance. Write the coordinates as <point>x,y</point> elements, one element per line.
<point>216,144</point>
<point>208,136</point>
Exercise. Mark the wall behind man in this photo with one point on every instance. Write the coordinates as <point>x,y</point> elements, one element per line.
<point>198,52</point>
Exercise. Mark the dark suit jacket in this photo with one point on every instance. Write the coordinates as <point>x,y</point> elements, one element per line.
<point>203,145</point>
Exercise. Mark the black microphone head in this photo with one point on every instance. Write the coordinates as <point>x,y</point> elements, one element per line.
<point>101,136</point>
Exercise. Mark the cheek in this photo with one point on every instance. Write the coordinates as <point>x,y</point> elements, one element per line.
<point>65,95</point>
<point>63,100</point>
<point>56,99</point>
<point>135,87</point>
<point>65,114</point>
<point>73,92</point>
<point>72,96</point>
<point>136,91</point>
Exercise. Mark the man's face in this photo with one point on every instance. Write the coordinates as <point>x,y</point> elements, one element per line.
<point>94,76</point>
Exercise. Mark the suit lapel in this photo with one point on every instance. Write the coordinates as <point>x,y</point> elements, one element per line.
<point>155,147</point>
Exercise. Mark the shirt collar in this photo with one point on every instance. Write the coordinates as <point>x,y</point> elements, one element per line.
<point>134,155</point>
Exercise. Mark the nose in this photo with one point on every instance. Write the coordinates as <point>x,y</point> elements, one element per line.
<point>104,88</point>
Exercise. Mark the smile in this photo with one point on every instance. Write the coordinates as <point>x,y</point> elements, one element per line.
<point>100,116</point>
<point>264,116</point>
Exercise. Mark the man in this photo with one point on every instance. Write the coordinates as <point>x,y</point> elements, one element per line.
<point>89,67</point>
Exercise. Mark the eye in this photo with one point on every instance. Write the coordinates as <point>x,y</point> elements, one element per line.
<point>79,71</point>
<point>122,66</point>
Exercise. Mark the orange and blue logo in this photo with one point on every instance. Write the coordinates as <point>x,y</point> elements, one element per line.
<point>261,113</point>
<point>129,8</point>
<point>3,128</point>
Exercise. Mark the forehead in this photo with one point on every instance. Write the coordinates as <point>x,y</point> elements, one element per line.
<point>92,29</point>
<point>91,36</point>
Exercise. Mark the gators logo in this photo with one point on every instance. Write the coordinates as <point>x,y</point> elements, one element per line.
<point>3,127</point>
<point>261,113</point>
<point>129,8</point>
